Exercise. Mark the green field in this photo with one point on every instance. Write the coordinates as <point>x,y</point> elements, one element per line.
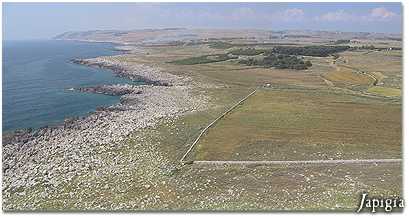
<point>203,59</point>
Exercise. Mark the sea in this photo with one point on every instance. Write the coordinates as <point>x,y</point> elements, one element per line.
<point>37,77</point>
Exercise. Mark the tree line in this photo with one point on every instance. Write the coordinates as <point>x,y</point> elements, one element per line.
<point>278,61</point>
<point>319,51</point>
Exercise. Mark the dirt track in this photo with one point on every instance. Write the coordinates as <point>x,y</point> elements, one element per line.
<point>299,162</point>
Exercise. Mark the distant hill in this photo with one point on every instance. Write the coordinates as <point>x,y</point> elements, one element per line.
<point>166,35</point>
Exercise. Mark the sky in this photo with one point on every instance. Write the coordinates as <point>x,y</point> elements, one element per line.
<point>45,20</point>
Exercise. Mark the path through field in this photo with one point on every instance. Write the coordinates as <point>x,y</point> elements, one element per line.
<point>285,162</point>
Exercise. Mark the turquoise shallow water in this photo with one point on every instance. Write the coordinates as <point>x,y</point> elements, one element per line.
<point>37,74</point>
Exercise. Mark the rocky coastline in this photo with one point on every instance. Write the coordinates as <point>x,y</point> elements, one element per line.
<point>134,72</point>
<point>111,90</point>
<point>52,156</point>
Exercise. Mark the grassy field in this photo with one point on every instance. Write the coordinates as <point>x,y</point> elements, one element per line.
<point>305,124</point>
<point>345,77</point>
<point>352,114</point>
<point>306,116</point>
<point>331,110</point>
<point>203,59</point>
<point>385,91</point>
<point>318,113</point>
<point>387,63</point>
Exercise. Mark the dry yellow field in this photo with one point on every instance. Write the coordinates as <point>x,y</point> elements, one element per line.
<point>387,63</point>
<point>305,124</point>
<point>344,77</point>
<point>385,91</point>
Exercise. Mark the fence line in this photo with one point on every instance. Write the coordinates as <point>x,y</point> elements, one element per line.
<point>212,123</point>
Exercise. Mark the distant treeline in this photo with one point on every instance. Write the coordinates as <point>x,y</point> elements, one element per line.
<point>229,38</point>
<point>227,45</point>
<point>286,57</point>
<point>247,52</point>
<point>394,38</point>
<point>389,38</point>
<point>319,51</point>
<point>297,36</point>
<point>203,59</point>
<point>342,41</point>
<point>220,45</point>
<point>278,61</point>
<point>372,47</point>
<point>282,57</point>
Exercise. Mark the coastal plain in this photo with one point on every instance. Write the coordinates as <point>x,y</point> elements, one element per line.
<point>127,156</point>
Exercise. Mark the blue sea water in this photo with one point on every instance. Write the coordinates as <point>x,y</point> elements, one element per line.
<point>38,74</point>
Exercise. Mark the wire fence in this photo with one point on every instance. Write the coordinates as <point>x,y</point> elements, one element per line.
<point>182,160</point>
